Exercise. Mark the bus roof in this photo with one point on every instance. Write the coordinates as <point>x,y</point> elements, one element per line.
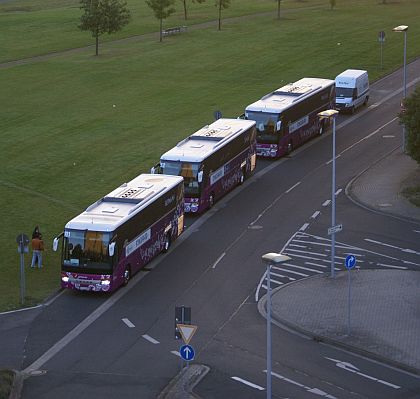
<point>122,203</point>
<point>207,140</point>
<point>292,93</point>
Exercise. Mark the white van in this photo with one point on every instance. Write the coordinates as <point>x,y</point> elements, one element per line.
<point>351,90</point>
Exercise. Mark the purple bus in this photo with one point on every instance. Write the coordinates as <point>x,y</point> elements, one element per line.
<point>212,161</point>
<point>117,235</point>
<point>287,117</point>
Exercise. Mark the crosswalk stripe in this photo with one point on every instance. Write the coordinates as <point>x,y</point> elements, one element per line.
<point>303,268</point>
<point>290,271</point>
<point>305,252</point>
<point>281,275</point>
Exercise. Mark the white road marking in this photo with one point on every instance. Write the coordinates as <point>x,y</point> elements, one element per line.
<point>353,369</point>
<point>297,245</point>
<point>176,353</point>
<point>150,339</point>
<point>305,252</point>
<point>128,323</point>
<point>407,250</point>
<point>304,227</point>
<point>303,268</point>
<point>291,188</point>
<point>338,191</point>
<point>282,276</point>
<point>316,264</point>
<point>315,214</point>
<point>337,156</point>
<point>388,136</point>
<point>326,203</point>
<point>250,384</point>
<point>300,256</point>
<point>416,231</point>
<point>392,266</point>
<point>218,260</point>
<point>315,391</point>
<point>290,271</point>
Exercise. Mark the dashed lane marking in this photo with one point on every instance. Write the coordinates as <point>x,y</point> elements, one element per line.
<point>250,384</point>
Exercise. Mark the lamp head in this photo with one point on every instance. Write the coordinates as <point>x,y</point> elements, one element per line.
<point>401,28</point>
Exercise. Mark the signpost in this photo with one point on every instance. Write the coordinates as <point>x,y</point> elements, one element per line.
<point>187,353</point>
<point>23,241</point>
<point>350,263</point>
<point>381,39</point>
<point>182,316</point>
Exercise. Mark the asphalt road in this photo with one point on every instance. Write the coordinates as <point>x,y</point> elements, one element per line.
<point>128,350</point>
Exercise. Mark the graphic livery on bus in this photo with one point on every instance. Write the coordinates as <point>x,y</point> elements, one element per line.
<point>287,117</point>
<point>212,161</point>
<point>117,235</point>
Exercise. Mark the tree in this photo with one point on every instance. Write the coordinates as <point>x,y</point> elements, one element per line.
<point>410,117</point>
<point>162,10</point>
<point>184,3</point>
<point>103,16</point>
<point>278,8</point>
<point>221,4</point>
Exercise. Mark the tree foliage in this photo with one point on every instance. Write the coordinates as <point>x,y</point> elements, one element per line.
<point>221,5</point>
<point>162,10</point>
<point>410,117</point>
<point>103,16</point>
<point>184,3</point>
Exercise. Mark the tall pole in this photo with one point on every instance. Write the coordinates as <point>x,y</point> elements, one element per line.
<point>333,203</point>
<point>405,88</point>
<point>268,331</point>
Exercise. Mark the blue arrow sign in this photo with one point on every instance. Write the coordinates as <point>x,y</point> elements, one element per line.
<point>187,352</point>
<point>350,261</point>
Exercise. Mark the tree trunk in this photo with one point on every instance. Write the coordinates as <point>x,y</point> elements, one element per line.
<point>278,9</point>
<point>185,9</point>
<point>220,14</point>
<point>97,45</point>
<point>161,25</point>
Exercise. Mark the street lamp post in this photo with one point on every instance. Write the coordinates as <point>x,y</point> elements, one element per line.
<point>404,28</point>
<point>271,258</point>
<point>331,114</point>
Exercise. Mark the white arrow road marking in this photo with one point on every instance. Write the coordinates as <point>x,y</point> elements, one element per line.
<point>250,384</point>
<point>315,391</point>
<point>353,369</point>
<point>128,323</point>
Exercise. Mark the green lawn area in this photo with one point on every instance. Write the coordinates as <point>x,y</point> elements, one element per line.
<point>6,382</point>
<point>64,144</point>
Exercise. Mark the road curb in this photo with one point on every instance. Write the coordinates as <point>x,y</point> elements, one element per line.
<point>183,383</point>
<point>353,198</point>
<point>327,340</point>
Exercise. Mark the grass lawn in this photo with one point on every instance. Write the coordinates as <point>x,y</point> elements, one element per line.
<point>64,144</point>
<point>6,382</point>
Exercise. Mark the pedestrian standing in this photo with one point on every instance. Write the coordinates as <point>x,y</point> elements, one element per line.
<point>36,232</point>
<point>37,249</point>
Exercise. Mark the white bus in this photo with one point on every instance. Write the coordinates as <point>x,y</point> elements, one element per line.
<point>117,235</point>
<point>287,117</point>
<point>212,161</point>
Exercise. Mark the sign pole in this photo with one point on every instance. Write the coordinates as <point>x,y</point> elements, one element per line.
<point>22,240</point>
<point>350,263</point>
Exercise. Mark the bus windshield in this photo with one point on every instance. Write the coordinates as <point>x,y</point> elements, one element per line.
<point>188,171</point>
<point>87,250</point>
<point>267,126</point>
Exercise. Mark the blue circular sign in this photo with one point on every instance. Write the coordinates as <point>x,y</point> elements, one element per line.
<point>350,261</point>
<point>187,352</point>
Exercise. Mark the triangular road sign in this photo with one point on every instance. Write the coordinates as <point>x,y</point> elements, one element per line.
<point>187,331</point>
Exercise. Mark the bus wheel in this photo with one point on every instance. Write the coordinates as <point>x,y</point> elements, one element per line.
<point>167,243</point>
<point>211,200</point>
<point>127,275</point>
<point>242,177</point>
<point>321,128</point>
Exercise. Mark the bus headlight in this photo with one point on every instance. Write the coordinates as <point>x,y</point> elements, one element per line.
<point>105,282</point>
<point>65,279</point>
<point>194,207</point>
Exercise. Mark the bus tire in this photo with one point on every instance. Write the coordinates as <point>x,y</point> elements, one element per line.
<point>242,176</point>
<point>289,148</point>
<point>211,200</point>
<point>167,243</point>
<point>127,275</point>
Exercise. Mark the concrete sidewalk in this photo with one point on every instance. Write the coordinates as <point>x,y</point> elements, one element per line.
<point>385,316</point>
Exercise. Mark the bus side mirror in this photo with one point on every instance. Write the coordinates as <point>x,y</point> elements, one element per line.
<point>55,244</point>
<point>200,176</point>
<point>111,248</point>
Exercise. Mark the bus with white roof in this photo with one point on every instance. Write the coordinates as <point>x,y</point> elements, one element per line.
<point>104,246</point>
<point>287,117</point>
<point>212,161</point>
